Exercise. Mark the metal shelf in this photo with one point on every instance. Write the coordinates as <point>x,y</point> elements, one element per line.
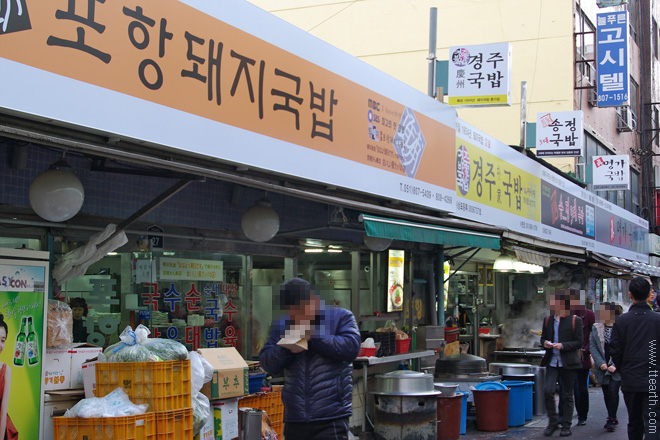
<point>395,357</point>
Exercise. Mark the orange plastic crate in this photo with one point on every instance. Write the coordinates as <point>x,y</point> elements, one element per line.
<point>142,427</point>
<point>164,386</point>
<point>271,403</point>
<point>279,429</point>
<point>174,425</point>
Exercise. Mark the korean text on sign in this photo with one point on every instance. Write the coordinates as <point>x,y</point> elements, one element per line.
<point>612,59</point>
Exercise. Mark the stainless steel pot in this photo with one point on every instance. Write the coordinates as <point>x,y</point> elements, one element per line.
<point>405,383</point>
<point>509,369</point>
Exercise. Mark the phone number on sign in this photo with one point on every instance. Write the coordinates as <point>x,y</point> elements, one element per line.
<point>615,97</point>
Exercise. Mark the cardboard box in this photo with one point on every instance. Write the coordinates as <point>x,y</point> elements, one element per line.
<point>89,378</point>
<point>230,378</point>
<point>225,415</point>
<point>63,365</point>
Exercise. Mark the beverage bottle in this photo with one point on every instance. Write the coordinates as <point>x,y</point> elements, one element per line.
<point>21,339</point>
<point>32,344</point>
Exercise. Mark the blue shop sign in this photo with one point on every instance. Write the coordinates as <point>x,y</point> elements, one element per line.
<point>612,59</point>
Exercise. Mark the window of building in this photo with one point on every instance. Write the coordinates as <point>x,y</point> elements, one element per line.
<point>634,98</point>
<point>634,18</point>
<point>585,33</point>
<point>654,37</point>
<point>656,125</point>
<point>634,190</point>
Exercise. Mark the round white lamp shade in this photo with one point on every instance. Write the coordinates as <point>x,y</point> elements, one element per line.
<point>377,244</point>
<point>56,195</point>
<point>260,222</point>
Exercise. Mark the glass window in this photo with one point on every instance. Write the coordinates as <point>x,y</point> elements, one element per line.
<point>634,19</point>
<point>584,45</point>
<point>634,97</point>
<point>634,189</point>
<point>656,125</point>
<point>654,37</point>
<point>196,298</point>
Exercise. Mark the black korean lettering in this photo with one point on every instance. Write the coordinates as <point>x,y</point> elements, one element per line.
<point>490,181</point>
<point>476,61</point>
<point>317,102</point>
<point>476,78</point>
<point>89,21</point>
<point>495,57</point>
<point>495,79</point>
<point>243,63</point>
<point>215,62</point>
<point>164,35</point>
<point>288,97</point>
<point>139,23</point>
<point>506,182</point>
<point>197,60</point>
<point>142,73</point>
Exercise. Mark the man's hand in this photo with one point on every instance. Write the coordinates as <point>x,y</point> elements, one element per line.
<point>295,349</point>
<point>557,346</point>
<point>547,344</point>
<point>611,368</point>
<point>603,367</point>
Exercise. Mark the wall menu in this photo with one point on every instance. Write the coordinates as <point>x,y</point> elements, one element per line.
<point>395,275</point>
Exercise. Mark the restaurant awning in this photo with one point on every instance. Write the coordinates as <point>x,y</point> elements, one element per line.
<point>531,257</point>
<point>426,233</point>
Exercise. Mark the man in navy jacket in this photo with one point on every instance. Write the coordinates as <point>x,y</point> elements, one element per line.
<point>634,350</point>
<point>318,386</point>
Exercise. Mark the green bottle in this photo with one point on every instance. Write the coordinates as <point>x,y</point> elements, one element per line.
<point>19,352</point>
<point>32,344</point>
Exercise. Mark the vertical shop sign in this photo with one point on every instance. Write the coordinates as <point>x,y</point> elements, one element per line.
<point>480,74</point>
<point>22,299</point>
<point>612,59</point>
<point>559,134</point>
<point>395,270</point>
<point>611,172</point>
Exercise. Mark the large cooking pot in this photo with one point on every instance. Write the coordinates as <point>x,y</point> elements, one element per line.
<point>460,364</point>
<point>509,369</point>
<point>405,383</point>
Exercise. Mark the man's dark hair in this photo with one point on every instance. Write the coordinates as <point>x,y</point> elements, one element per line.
<point>293,292</point>
<point>640,288</point>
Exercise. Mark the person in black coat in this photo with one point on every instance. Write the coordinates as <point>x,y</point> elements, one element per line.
<point>634,350</point>
<point>562,339</point>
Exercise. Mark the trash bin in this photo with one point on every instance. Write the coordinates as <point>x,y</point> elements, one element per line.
<point>464,398</point>
<point>492,408</point>
<point>449,417</point>
<point>539,384</point>
<point>517,401</point>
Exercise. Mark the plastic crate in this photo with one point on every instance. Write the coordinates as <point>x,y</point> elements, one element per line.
<point>279,429</point>
<point>142,427</point>
<point>402,345</point>
<point>164,386</point>
<point>271,403</point>
<point>174,425</point>
<point>254,383</point>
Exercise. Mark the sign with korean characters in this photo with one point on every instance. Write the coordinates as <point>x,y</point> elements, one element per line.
<point>611,172</point>
<point>22,313</point>
<point>608,3</point>
<point>185,269</point>
<point>559,134</point>
<point>232,83</point>
<point>494,183</point>
<point>551,207</point>
<point>612,59</point>
<point>480,74</point>
<point>395,274</point>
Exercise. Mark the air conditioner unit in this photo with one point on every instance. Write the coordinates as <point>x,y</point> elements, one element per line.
<point>592,97</point>
<point>624,119</point>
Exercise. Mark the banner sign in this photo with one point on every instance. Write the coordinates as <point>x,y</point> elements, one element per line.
<point>549,206</point>
<point>611,172</point>
<point>233,83</point>
<point>480,74</point>
<point>395,275</point>
<point>22,307</point>
<point>559,134</point>
<point>612,59</point>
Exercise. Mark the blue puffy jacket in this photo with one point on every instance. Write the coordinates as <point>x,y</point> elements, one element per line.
<point>318,382</point>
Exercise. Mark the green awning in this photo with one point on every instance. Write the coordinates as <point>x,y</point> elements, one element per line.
<point>424,233</point>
